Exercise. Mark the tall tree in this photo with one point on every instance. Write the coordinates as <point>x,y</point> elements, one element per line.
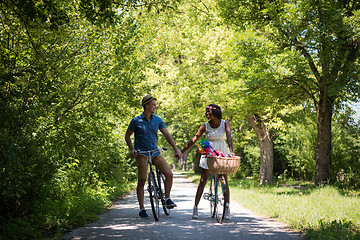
<point>64,83</point>
<point>186,74</point>
<point>327,36</point>
<point>254,71</point>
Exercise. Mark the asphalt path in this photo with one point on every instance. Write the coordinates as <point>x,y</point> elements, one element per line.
<point>122,221</point>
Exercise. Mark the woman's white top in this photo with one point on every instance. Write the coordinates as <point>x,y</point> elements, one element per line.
<point>217,139</point>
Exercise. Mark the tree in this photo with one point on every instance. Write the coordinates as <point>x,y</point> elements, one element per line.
<point>254,70</point>
<point>67,86</point>
<point>326,35</point>
<point>191,46</point>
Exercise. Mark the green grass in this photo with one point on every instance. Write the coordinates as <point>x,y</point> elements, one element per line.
<point>319,213</point>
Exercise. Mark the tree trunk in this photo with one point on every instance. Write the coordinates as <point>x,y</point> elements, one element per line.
<point>183,161</point>
<point>266,146</point>
<point>195,165</point>
<point>323,144</point>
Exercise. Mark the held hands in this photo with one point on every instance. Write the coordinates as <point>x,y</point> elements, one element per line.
<point>178,154</point>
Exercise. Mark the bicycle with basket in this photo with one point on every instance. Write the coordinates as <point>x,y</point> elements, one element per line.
<point>219,165</point>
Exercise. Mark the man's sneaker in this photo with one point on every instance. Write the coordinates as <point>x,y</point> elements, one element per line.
<point>143,214</point>
<point>195,213</point>
<point>170,204</point>
<point>227,213</point>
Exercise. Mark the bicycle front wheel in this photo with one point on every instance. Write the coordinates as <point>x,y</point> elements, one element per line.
<point>154,196</point>
<point>220,198</point>
<point>211,197</point>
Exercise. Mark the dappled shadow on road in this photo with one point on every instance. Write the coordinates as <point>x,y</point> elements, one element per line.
<point>122,222</point>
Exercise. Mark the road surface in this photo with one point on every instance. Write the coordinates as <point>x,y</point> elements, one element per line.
<point>122,221</point>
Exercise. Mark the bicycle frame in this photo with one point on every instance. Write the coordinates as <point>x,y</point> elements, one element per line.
<point>156,186</point>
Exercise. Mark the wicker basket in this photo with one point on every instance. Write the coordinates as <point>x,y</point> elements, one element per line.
<point>223,165</point>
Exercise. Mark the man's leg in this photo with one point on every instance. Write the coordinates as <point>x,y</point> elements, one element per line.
<point>140,192</point>
<point>141,163</point>
<point>165,169</point>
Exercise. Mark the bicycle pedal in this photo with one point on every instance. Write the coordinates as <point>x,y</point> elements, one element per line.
<point>206,196</point>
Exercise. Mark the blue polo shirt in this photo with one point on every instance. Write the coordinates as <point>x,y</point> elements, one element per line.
<point>146,132</point>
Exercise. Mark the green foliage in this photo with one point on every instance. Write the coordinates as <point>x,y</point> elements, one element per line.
<point>250,155</point>
<point>72,76</point>
<point>191,47</point>
<point>295,148</point>
<point>67,93</point>
<point>315,47</point>
<point>346,151</point>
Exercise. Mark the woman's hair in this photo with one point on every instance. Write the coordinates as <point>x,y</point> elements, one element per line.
<point>215,110</point>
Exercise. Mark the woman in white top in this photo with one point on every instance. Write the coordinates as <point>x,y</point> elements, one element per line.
<point>218,133</point>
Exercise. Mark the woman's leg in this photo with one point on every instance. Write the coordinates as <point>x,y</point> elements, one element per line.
<point>227,189</point>
<point>227,200</point>
<point>203,180</point>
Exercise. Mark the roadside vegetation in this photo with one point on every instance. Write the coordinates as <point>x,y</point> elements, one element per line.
<point>327,212</point>
<point>320,213</point>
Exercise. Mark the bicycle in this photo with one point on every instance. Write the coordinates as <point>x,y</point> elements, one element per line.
<point>217,196</point>
<point>219,166</point>
<point>156,185</point>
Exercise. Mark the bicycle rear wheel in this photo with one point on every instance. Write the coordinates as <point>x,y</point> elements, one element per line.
<point>161,182</point>
<point>220,198</point>
<point>154,196</point>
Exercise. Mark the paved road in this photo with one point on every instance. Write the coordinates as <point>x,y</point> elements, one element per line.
<point>122,221</point>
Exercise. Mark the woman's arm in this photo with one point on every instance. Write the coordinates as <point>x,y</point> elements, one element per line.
<point>191,143</point>
<point>228,136</point>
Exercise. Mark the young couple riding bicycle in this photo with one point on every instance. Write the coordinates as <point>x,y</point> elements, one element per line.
<point>145,128</point>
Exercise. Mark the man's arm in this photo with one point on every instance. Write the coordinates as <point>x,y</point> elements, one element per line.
<point>129,143</point>
<point>170,140</point>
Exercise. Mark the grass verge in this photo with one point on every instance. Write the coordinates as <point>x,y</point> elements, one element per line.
<point>320,213</point>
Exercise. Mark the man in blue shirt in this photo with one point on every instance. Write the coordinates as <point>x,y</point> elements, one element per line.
<point>145,128</point>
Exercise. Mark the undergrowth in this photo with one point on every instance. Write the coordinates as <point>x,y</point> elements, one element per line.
<point>58,215</point>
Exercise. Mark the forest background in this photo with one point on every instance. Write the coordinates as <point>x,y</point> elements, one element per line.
<point>73,73</point>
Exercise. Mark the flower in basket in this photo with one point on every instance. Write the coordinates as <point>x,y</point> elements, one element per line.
<point>201,150</point>
<point>205,145</point>
<point>218,153</point>
<point>208,149</point>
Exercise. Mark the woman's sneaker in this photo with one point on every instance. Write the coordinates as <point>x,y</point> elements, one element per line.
<point>227,213</point>
<point>143,214</point>
<point>195,213</point>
